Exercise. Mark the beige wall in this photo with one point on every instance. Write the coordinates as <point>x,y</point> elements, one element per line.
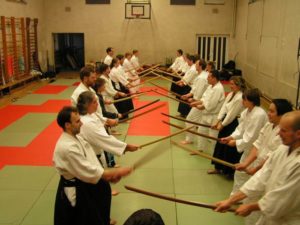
<point>33,9</point>
<point>266,42</point>
<point>170,28</point>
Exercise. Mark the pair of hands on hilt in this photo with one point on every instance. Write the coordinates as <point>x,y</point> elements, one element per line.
<point>180,83</point>
<point>198,104</point>
<point>244,166</point>
<point>188,97</point>
<point>230,141</point>
<point>120,94</point>
<point>114,175</point>
<point>131,148</point>
<point>242,210</point>
<point>217,126</point>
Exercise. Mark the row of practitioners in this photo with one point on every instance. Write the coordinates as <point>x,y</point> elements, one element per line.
<point>83,152</point>
<point>247,143</point>
<point>99,82</point>
<point>271,195</point>
<point>128,66</point>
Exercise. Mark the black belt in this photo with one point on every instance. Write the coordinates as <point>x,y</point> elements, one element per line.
<point>68,183</point>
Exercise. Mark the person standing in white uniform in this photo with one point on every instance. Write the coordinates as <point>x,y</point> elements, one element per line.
<point>121,84</point>
<point>83,194</point>
<point>266,143</point>
<point>119,80</point>
<point>109,56</point>
<point>198,88</point>
<point>109,94</point>
<point>179,66</point>
<point>179,61</point>
<point>135,61</point>
<point>253,118</point>
<point>209,106</point>
<point>226,123</point>
<point>131,73</point>
<point>185,84</point>
<point>277,181</point>
<point>88,78</point>
<point>94,133</point>
<point>268,139</point>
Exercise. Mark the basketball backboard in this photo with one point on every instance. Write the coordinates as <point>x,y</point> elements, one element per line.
<point>137,10</point>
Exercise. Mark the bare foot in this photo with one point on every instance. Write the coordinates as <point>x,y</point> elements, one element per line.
<point>186,142</point>
<point>213,171</point>
<point>112,222</point>
<point>114,192</point>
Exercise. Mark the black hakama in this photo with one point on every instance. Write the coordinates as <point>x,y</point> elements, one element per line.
<point>93,202</point>
<point>175,87</point>
<point>184,109</point>
<point>126,105</point>
<point>225,152</point>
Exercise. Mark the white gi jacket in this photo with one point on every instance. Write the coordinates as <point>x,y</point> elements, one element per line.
<point>267,141</point>
<point>108,59</point>
<point>109,94</point>
<point>177,63</point>
<point>230,110</point>
<point>132,74</point>
<point>184,67</point>
<point>212,100</point>
<point>245,134</point>
<point>135,62</point>
<point>248,129</point>
<point>129,68</point>
<point>93,131</point>
<point>200,84</point>
<point>190,75</point>
<point>82,88</point>
<point>116,76</point>
<point>198,88</point>
<point>75,158</point>
<point>278,181</point>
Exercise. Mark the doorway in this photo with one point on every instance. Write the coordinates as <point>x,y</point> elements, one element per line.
<point>68,51</point>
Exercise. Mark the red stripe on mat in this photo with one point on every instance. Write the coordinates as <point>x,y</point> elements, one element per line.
<point>11,113</point>
<point>51,89</point>
<point>149,124</point>
<point>38,153</point>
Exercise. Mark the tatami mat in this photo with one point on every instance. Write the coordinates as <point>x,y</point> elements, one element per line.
<point>28,182</point>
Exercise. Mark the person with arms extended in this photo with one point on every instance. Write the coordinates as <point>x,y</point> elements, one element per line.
<point>277,181</point>
<point>83,195</point>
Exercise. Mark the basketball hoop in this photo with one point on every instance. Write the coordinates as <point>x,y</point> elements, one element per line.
<point>137,10</point>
